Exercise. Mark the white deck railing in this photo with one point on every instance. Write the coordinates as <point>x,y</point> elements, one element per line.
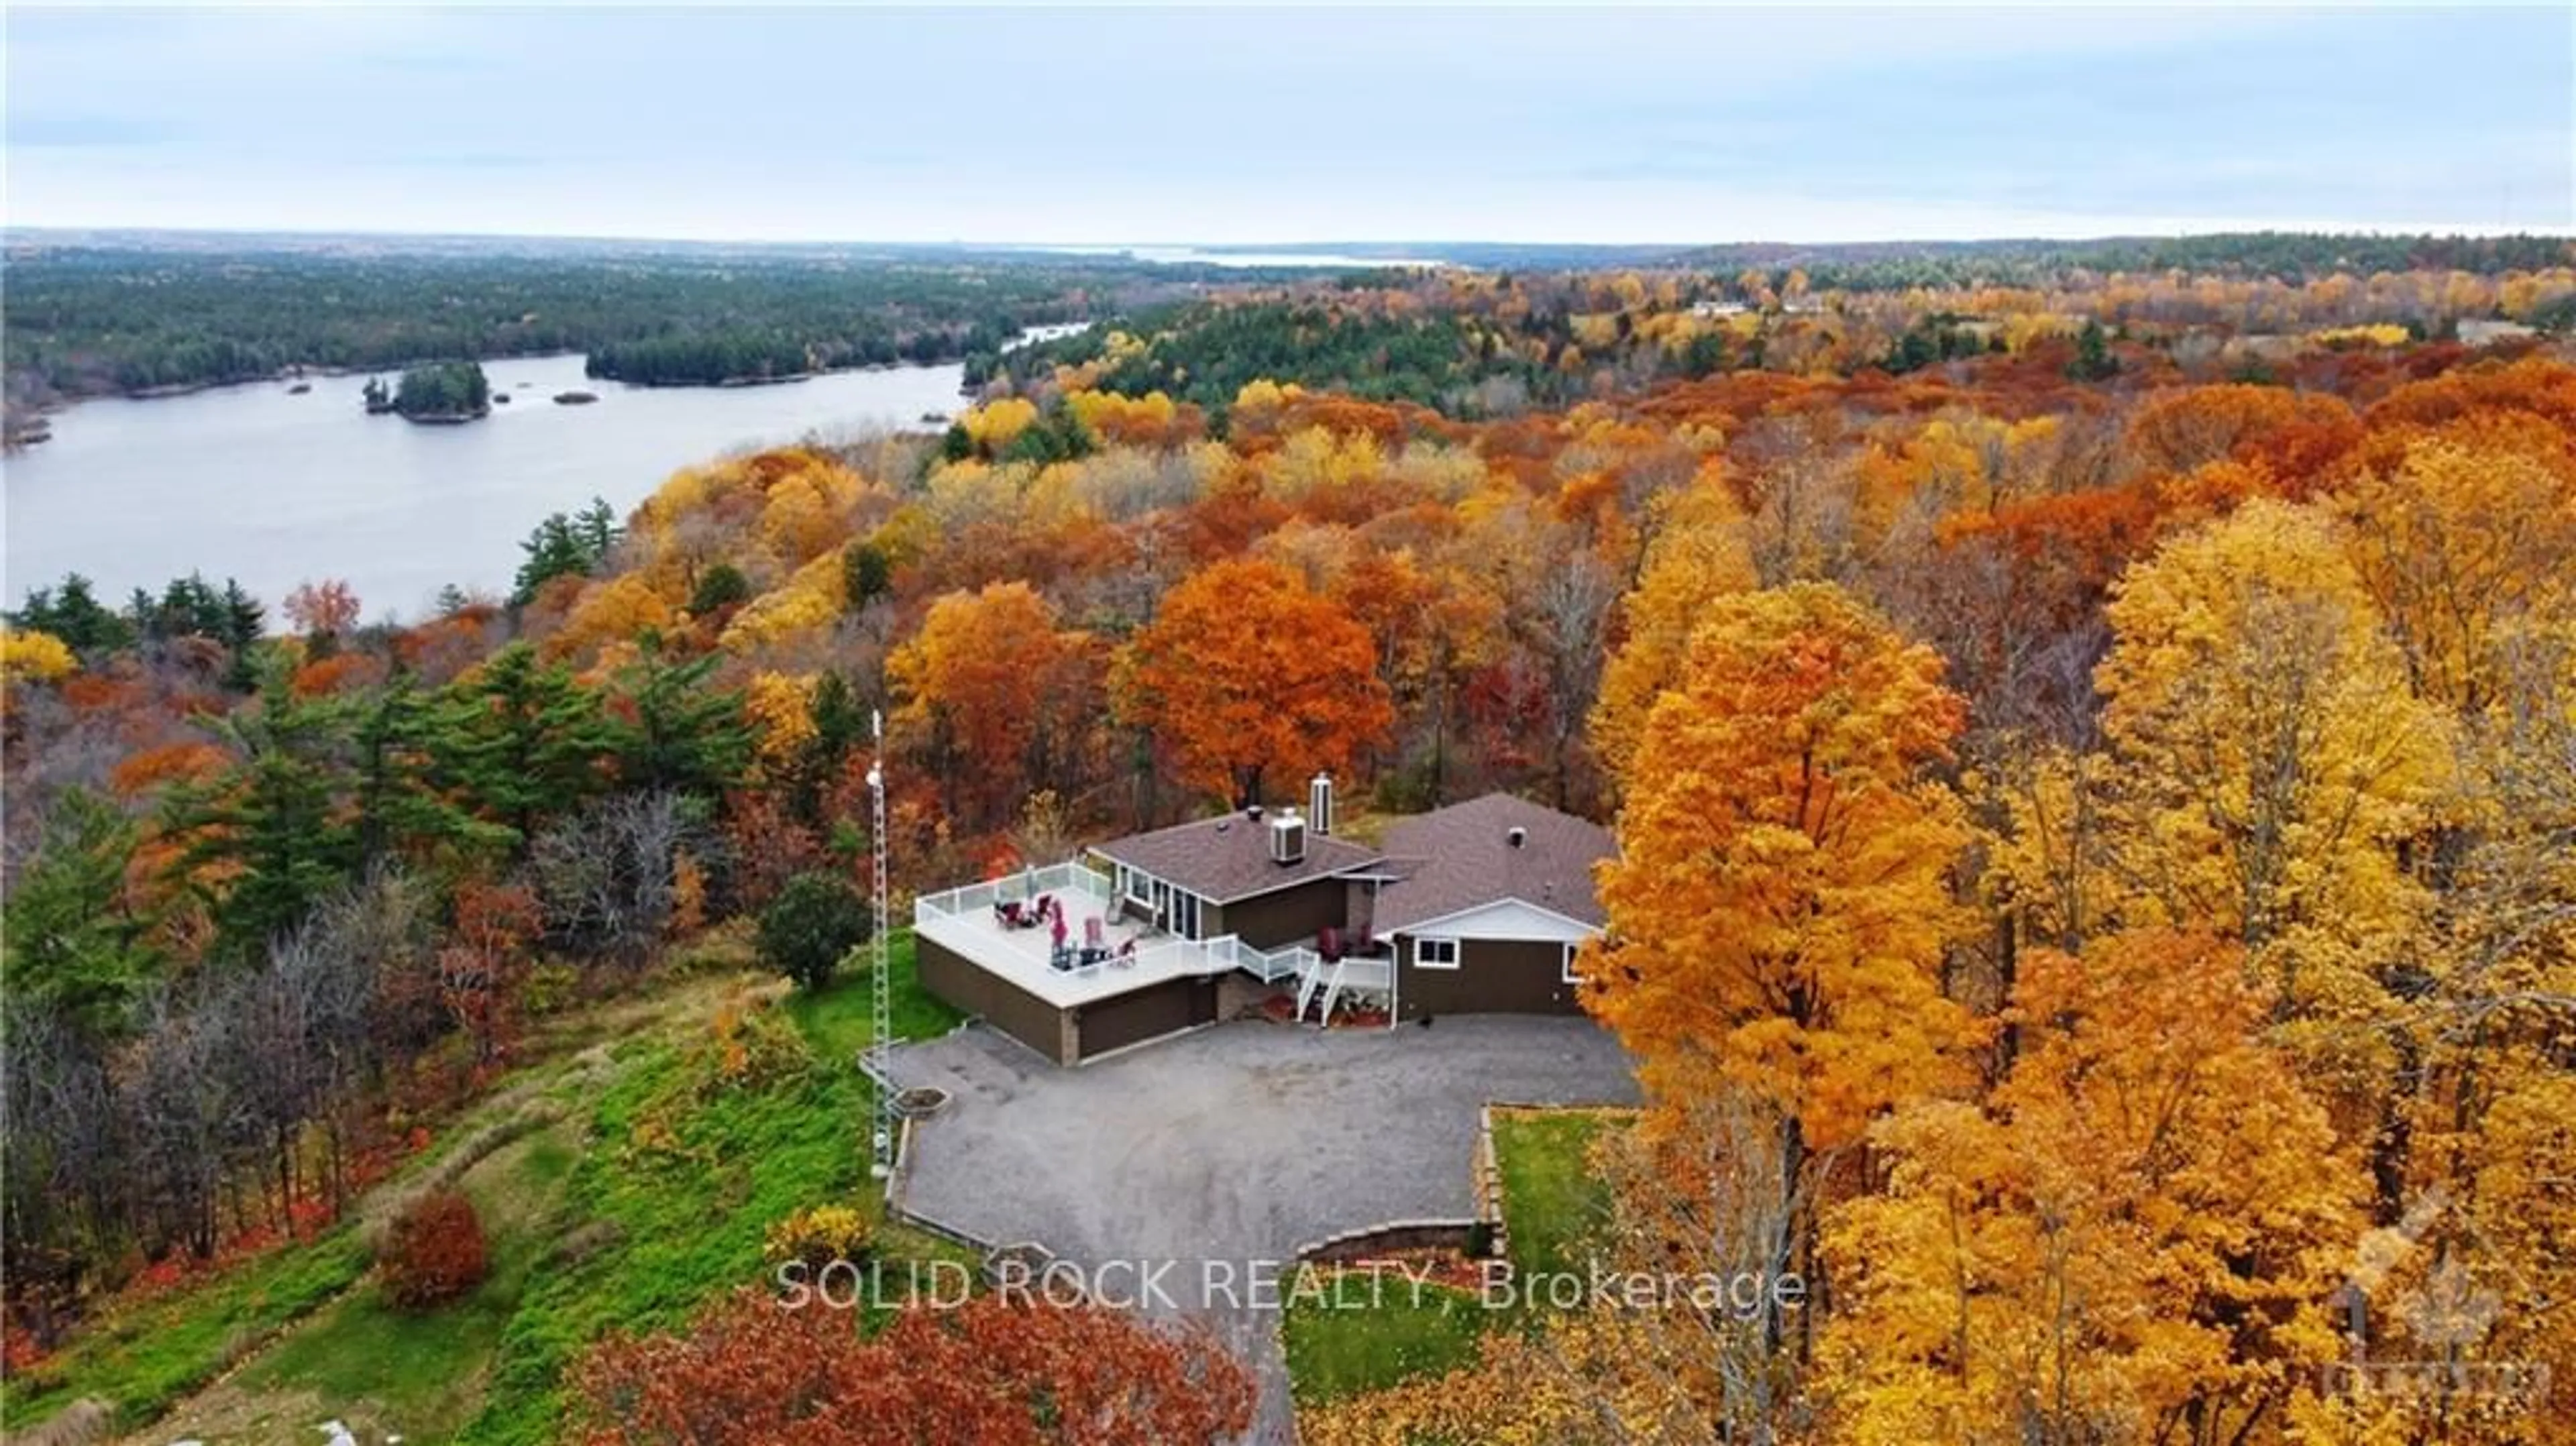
<point>1065,878</point>
<point>1330,980</point>
<point>1268,966</point>
<point>1315,977</point>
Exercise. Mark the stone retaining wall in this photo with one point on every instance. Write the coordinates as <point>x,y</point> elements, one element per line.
<point>1374,1241</point>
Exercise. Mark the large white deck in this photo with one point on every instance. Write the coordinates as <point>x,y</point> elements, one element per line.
<point>963,921</point>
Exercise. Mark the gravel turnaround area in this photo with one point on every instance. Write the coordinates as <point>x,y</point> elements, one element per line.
<point>1220,1153</point>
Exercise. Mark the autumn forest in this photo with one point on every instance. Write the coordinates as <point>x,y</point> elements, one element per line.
<point>2091,750</point>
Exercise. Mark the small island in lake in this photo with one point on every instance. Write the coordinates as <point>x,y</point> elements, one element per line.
<point>443,393</point>
<point>575,398</point>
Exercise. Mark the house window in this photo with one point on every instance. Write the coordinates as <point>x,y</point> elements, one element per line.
<point>1435,953</point>
<point>1566,973</point>
<point>1185,911</point>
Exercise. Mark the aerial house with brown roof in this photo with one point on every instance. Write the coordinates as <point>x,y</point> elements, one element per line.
<point>1485,903</point>
<point>1473,908</point>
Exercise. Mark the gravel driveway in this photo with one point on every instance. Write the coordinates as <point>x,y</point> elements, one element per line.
<point>1232,1146</point>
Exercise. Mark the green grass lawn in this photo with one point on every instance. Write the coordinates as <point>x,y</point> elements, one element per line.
<point>836,1020</point>
<point>409,1367</point>
<point>1334,1353</point>
<point>1552,1203</point>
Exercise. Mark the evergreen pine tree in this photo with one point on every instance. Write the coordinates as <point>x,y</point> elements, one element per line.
<point>273,824</point>
<point>675,732</point>
<point>399,806</point>
<point>68,939</point>
<point>521,741</point>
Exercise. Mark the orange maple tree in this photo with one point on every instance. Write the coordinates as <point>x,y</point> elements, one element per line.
<point>1247,674</point>
<point>2141,1223</point>
<point>1780,903</point>
<point>987,687</point>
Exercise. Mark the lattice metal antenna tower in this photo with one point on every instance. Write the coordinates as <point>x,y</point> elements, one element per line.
<point>880,973</point>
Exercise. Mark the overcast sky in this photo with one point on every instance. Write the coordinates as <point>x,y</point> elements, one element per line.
<point>1242,125</point>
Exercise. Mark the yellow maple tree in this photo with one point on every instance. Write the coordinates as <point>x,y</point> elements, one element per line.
<point>2132,1238</point>
<point>1698,557</point>
<point>2269,763</point>
<point>27,653</point>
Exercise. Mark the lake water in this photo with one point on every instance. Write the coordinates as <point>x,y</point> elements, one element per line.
<point>276,489</point>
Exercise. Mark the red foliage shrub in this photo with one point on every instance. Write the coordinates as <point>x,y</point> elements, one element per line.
<point>434,1252</point>
<point>991,1372</point>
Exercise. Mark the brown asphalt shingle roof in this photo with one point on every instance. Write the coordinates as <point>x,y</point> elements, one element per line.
<point>1463,858</point>
<point>1227,857</point>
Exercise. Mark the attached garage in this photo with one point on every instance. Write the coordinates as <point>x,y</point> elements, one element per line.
<point>1088,1022</point>
<point>1148,1013</point>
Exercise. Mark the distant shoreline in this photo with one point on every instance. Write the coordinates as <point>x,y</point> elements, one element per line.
<point>64,403</point>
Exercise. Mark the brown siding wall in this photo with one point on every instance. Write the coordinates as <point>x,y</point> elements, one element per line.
<point>1494,976</point>
<point>1288,916</point>
<point>1004,1005</point>
<point>1148,1013</point>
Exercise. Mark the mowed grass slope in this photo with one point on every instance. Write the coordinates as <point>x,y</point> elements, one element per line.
<point>643,1193</point>
<point>670,1203</point>
<point>144,1356</point>
<point>421,1373</point>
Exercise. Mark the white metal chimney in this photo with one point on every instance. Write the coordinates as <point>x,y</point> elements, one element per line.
<point>1319,803</point>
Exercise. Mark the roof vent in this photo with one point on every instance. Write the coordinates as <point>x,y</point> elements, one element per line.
<point>1516,836</point>
<point>1252,811</point>
<point>1287,838</point>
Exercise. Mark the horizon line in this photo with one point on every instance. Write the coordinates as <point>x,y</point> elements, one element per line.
<point>14,230</point>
